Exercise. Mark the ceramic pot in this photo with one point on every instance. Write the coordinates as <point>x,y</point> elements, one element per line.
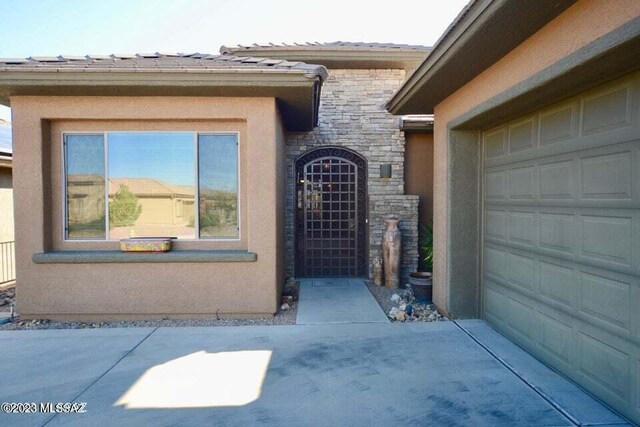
<point>422,286</point>
<point>391,246</point>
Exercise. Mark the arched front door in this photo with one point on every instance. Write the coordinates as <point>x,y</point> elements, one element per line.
<point>331,214</point>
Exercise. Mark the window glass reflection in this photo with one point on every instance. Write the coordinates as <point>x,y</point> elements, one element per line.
<point>151,184</point>
<point>84,171</point>
<point>218,179</point>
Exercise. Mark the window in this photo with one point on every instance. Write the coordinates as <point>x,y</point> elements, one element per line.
<point>151,184</point>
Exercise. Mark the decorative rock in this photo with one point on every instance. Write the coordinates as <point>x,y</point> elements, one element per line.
<point>287,299</point>
<point>409,309</point>
<point>285,307</point>
<point>291,289</point>
<point>400,316</point>
<point>395,298</point>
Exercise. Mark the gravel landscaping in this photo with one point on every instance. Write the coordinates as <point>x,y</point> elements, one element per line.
<point>400,306</point>
<point>7,297</point>
<point>282,317</point>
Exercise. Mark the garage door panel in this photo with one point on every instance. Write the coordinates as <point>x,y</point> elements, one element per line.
<point>496,182</point>
<point>523,227</point>
<point>561,239</point>
<point>558,232</point>
<point>607,238</point>
<point>496,224</point>
<point>523,272</point>
<point>599,297</point>
<point>556,339</point>
<point>603,238</point>
<point>521,310</point>
<point>604,364</point>
<point>522,135</point>
<point>558,283</point>
<point>522,319</point>
<point>606,176</point>
<point>522,183</point>
<point>607,109</point>
<point>606,299</point>
<point>496,143</point>
<point>559,124</point>
<point>558,180</point>
<point>495,303</point>
<point>599,118</point>
<point>495,262</point>
<point>620,136</point>
<point>598,177</point>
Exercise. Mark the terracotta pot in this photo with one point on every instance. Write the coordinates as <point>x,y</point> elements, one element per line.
<point>391,247</point>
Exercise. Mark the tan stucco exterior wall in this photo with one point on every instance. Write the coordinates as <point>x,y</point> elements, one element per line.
<point>6,205</point>
<point>582,23</point>
<point>280,202</point>
<point>128,290</point>
<point>418,172</point>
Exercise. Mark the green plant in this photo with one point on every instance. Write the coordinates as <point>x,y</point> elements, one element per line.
<point>426,246</point>
<point>124,209</point>
<point>209,216</point>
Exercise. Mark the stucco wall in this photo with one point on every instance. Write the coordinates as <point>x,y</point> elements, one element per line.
<point>116,290</point>
<point>6,205</point>
<point>418,172</point>
<point>579,25</point>
<point>280,141</point>
<point>352,116</point>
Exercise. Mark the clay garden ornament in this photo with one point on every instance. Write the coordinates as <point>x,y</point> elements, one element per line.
<point>391,246</point>
<point>377,271</point>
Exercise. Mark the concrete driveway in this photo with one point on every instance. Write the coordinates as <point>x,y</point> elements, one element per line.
<point>349,374</point>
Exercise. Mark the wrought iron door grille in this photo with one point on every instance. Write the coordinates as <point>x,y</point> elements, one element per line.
<point>331,193</point>
<point>331,225</point>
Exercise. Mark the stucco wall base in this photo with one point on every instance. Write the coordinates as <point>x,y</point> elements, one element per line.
<point>463,226</point>
<point>88,317</point>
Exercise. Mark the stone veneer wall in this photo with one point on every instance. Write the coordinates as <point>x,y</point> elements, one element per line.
<point>352,116</point>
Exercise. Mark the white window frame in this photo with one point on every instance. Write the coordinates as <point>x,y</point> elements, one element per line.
<point>196,207</point>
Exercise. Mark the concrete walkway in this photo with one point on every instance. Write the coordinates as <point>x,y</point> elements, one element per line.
<point>364,374</point>
<point>337,300</point>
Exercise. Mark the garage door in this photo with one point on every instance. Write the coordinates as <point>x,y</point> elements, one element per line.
<point>561,238</point>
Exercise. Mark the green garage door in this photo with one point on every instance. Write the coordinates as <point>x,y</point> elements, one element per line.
<point>561,238</point>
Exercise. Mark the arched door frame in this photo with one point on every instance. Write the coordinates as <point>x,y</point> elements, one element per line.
<point>301,242</point>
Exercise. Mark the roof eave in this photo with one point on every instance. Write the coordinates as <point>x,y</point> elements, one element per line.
<point>6,160</point>
<point>416,125</point>
<point>456,58</point>
<point>342,57</point>
<point>296,91</point>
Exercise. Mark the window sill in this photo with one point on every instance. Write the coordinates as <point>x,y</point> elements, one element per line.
<point>100,257</point>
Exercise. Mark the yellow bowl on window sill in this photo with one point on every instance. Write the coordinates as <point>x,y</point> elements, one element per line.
<point>146,244</point>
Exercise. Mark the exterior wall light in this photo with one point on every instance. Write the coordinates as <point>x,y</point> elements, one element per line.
<point>385,171</point>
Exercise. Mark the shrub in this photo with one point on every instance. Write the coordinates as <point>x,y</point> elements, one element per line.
<point>124,209</point>
<point>426,246</point>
